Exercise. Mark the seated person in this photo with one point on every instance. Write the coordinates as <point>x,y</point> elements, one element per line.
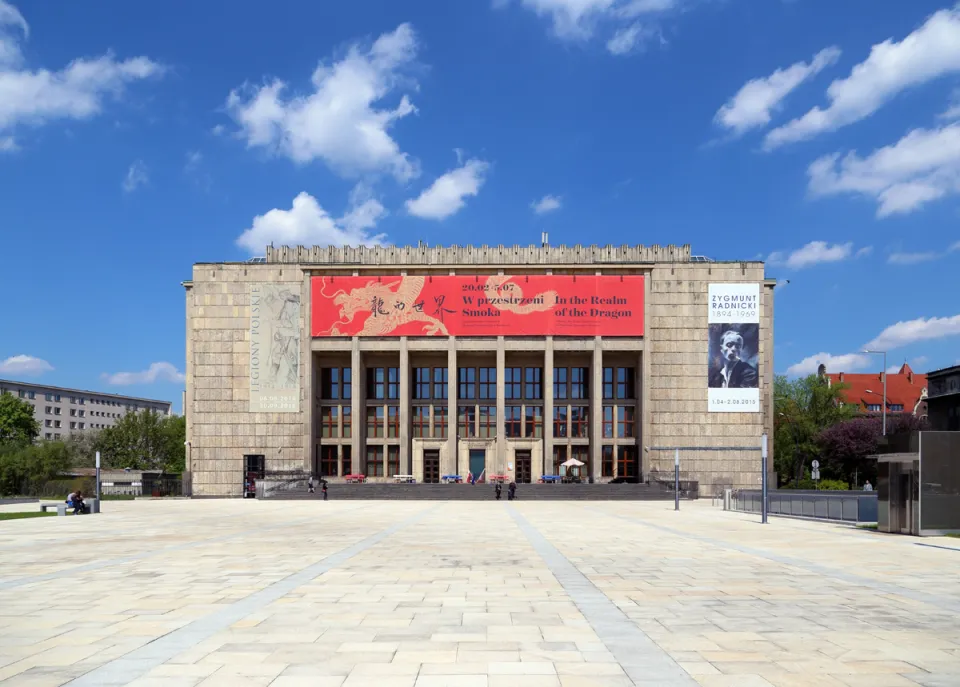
<point>75,501</point>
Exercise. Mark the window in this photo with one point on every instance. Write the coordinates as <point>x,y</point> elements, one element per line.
<point>488,383</point>
<point>329,427</point>
<point>606,461</point>
<point>375,422</point>
<point>560,421</point>
<point>625,421</point>
<point>376,383</point>
<point>626,461</point>
<point>347,459</point>
<point>533,383</point>
<point>440,422</point>
<point>579,422</point>
<point>22,393</point>
<point>512,421</point>
<point>56,411</point>
<point>560,382</point>
<point>393,383</point>
<point>421,386</point>
<point>608,422</point>
<point>330,383</point>
<point>374,467</point>
<point>625,382</point>
<point>393,422</point>
<point>347,415</point>
<point>80,401</point>
<point>896,407</point>
<point>533,425</point>
<point>873,407</point>
<point>581,453</point>
<point>31,395</point>
<point>467,382</point>
<point>56,436</point>
<point>48,423</point>
<point>467,421</point>
<point>82,425</point>
<point>559,458</point>
<point>48,410</point>
<point>328,461</point>
<point>488,422</point>
<point>48,436</point>
<point>421,421</point>
<point>73,425</point>
<point>393,460</point>
<point>82,413</point>
<point>48,397</point>
<point>440,383</point>
<point>579,387</point>
<point>512,384</point>
<point>346,386</point>
<point>56,423</point>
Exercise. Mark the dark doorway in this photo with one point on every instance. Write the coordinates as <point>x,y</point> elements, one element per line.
<point>522,459</point>
<point>254,468</point>
<point>431,467</point>
<point>627,462</point>
<point>326,461</point>
<point>478,462</point>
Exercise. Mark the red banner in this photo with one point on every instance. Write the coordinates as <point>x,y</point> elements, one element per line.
<point>510,305</point>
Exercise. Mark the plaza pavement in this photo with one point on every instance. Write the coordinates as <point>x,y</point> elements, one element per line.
<point>426,594</point>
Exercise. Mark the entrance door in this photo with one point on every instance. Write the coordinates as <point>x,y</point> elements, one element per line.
<point>478,462</point>
<point>431,467</point>
<point>523,461</point>
<point>254,468</point>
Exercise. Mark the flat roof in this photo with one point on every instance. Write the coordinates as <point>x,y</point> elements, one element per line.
<point>84,391</point>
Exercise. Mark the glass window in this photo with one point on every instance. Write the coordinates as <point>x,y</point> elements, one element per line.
<point>82,413</point>
<point>579,387</point>
<point>330,383</point>
<point>625,421</point>
<point>512,421</point>
<point>579,422</point>
<point>31,395</point>
<point>56,411</point>
<point>82,425</point>
<point>48,423</point>
<point>625,383</point>
<point>22,394</point>
<point>488,383</point>
<point>329,425</point>
<point>560,382</point>
<point>328,461</point>
<point>374,467</point>
<point>421,383</point>
<point>56,398</point>
<point>393,383</point>
<point>48,397</point>
<point>48,436</point>
<point>440,422</point>
<point>533,424</point>
<point>626,461</point>
<point>608,422</point>
<point>608,383</point>
<point>533,383</point>
<point>873,408</point>
<point>440,383</point>
<point>376,383</point>
<point>581,453</point>
<point>393,422</point>
<point>606,461</point>
<point>467,379</point>
<point>393,460</point>
<point>512,383</point>
<point>347,459</point>
<point>560,421</point>
<point>375,422</point>
<point>347,417</point>
<point>48,410</point>
<point>488,422</point>
<point>346,376</point>
<point>559,458</point>
<point>896,407</point>
<point>467,421</point>
<point>56,436</point>
<point>421,421</point>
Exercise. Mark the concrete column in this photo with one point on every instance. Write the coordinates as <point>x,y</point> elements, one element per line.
<point>306,359</point>
<point>596,409</point>
<point>406,467</point>
<point>499,463</point>
<point>359,388</point>
<point>643,390</point>
<point>547,379</point>
<point>642,467</point>
<point>449,466</point>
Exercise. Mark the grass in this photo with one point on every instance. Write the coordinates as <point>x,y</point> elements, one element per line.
<point>26,514</point>
<point>955,536</point>
<point>867,527</point>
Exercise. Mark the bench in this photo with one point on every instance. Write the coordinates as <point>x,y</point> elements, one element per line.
<point>404,479</point>
<point>93,506</point>
<point>61,508</point>
<point>355,479</point>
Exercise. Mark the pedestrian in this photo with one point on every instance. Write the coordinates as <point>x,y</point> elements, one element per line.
<point>310,489</point>
<point>498,489</point>
<point>867,486</point>
<point>512,491</point>
<point>323,488</point>
<point>75,501</point>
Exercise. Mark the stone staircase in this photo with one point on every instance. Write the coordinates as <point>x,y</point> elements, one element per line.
<point>481,492</point>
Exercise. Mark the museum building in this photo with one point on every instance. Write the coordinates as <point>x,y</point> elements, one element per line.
<point>478,362</point>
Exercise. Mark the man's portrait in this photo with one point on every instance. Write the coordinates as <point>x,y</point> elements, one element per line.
<point>733,356</point>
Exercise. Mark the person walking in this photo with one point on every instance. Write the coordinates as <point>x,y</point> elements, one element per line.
<point>310,489</point>
<point>323,488</point>
<point>512,491</point>
<point>498,489</point>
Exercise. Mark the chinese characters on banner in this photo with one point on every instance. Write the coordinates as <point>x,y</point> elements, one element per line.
<point>507,305</point>
<point>734,348</point>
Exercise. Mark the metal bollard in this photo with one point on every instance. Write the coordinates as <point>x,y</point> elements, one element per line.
<point>727,498</point>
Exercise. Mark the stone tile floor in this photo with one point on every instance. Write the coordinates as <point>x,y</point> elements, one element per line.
<point>424,594</point>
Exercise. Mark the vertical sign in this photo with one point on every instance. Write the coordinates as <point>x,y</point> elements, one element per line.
<point>274,349</point>
<point>734,348</point>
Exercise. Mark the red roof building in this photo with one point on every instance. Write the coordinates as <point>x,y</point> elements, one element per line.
<point>906,391</point>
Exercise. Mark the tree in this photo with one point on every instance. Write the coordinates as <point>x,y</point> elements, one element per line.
<point>802,409</point>
<point>143,441</point>
<point>23,464</point>
<point>17,424</point>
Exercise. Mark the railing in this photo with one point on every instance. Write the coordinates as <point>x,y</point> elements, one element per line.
<point>278,482</point>
<point>842,506</point>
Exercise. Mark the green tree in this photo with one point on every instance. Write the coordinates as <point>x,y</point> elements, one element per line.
<point>21,465</point>
<point>17,424</point>
<point>803,409</point>
<point>143,441</point>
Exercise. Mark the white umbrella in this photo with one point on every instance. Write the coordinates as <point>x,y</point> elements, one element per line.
<point>572,463</point>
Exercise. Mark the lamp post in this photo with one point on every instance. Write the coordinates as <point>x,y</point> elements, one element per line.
<point>884,354</point>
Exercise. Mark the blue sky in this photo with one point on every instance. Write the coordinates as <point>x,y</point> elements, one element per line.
<point>138,139</point>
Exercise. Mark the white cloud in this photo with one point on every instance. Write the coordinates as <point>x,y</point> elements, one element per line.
<point>33,97</point>
<point>815,253</point>
<point>834,363</point>
<point>157,372</point>
<point>930,52</point>
<point>911,258</point>
<point>921,329</point>
<point>630,38</point>
<point>137,176</point>
<point>446,196</point>
<point>921,167</point>
<point>218,130</point>
<point>194,158</point>
<point>307,223</point>
<point>953,109</point>
<point>338,122</point>
<point>546,204</point>
<point>866,250</point>
<point>954,247</point>
<point>8,144</point>
<point>753,104</point>
<point>25,365</point>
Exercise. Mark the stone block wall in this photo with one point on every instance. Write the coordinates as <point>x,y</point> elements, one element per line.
<point>220,427</point>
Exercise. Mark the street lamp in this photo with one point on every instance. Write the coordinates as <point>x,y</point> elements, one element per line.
<point>884,354</point>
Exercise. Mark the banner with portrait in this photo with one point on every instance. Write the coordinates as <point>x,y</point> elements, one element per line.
<point>733,373</point>
<point>274,348</point>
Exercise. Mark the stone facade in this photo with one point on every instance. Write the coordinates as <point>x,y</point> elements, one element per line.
<point>670,364</point>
